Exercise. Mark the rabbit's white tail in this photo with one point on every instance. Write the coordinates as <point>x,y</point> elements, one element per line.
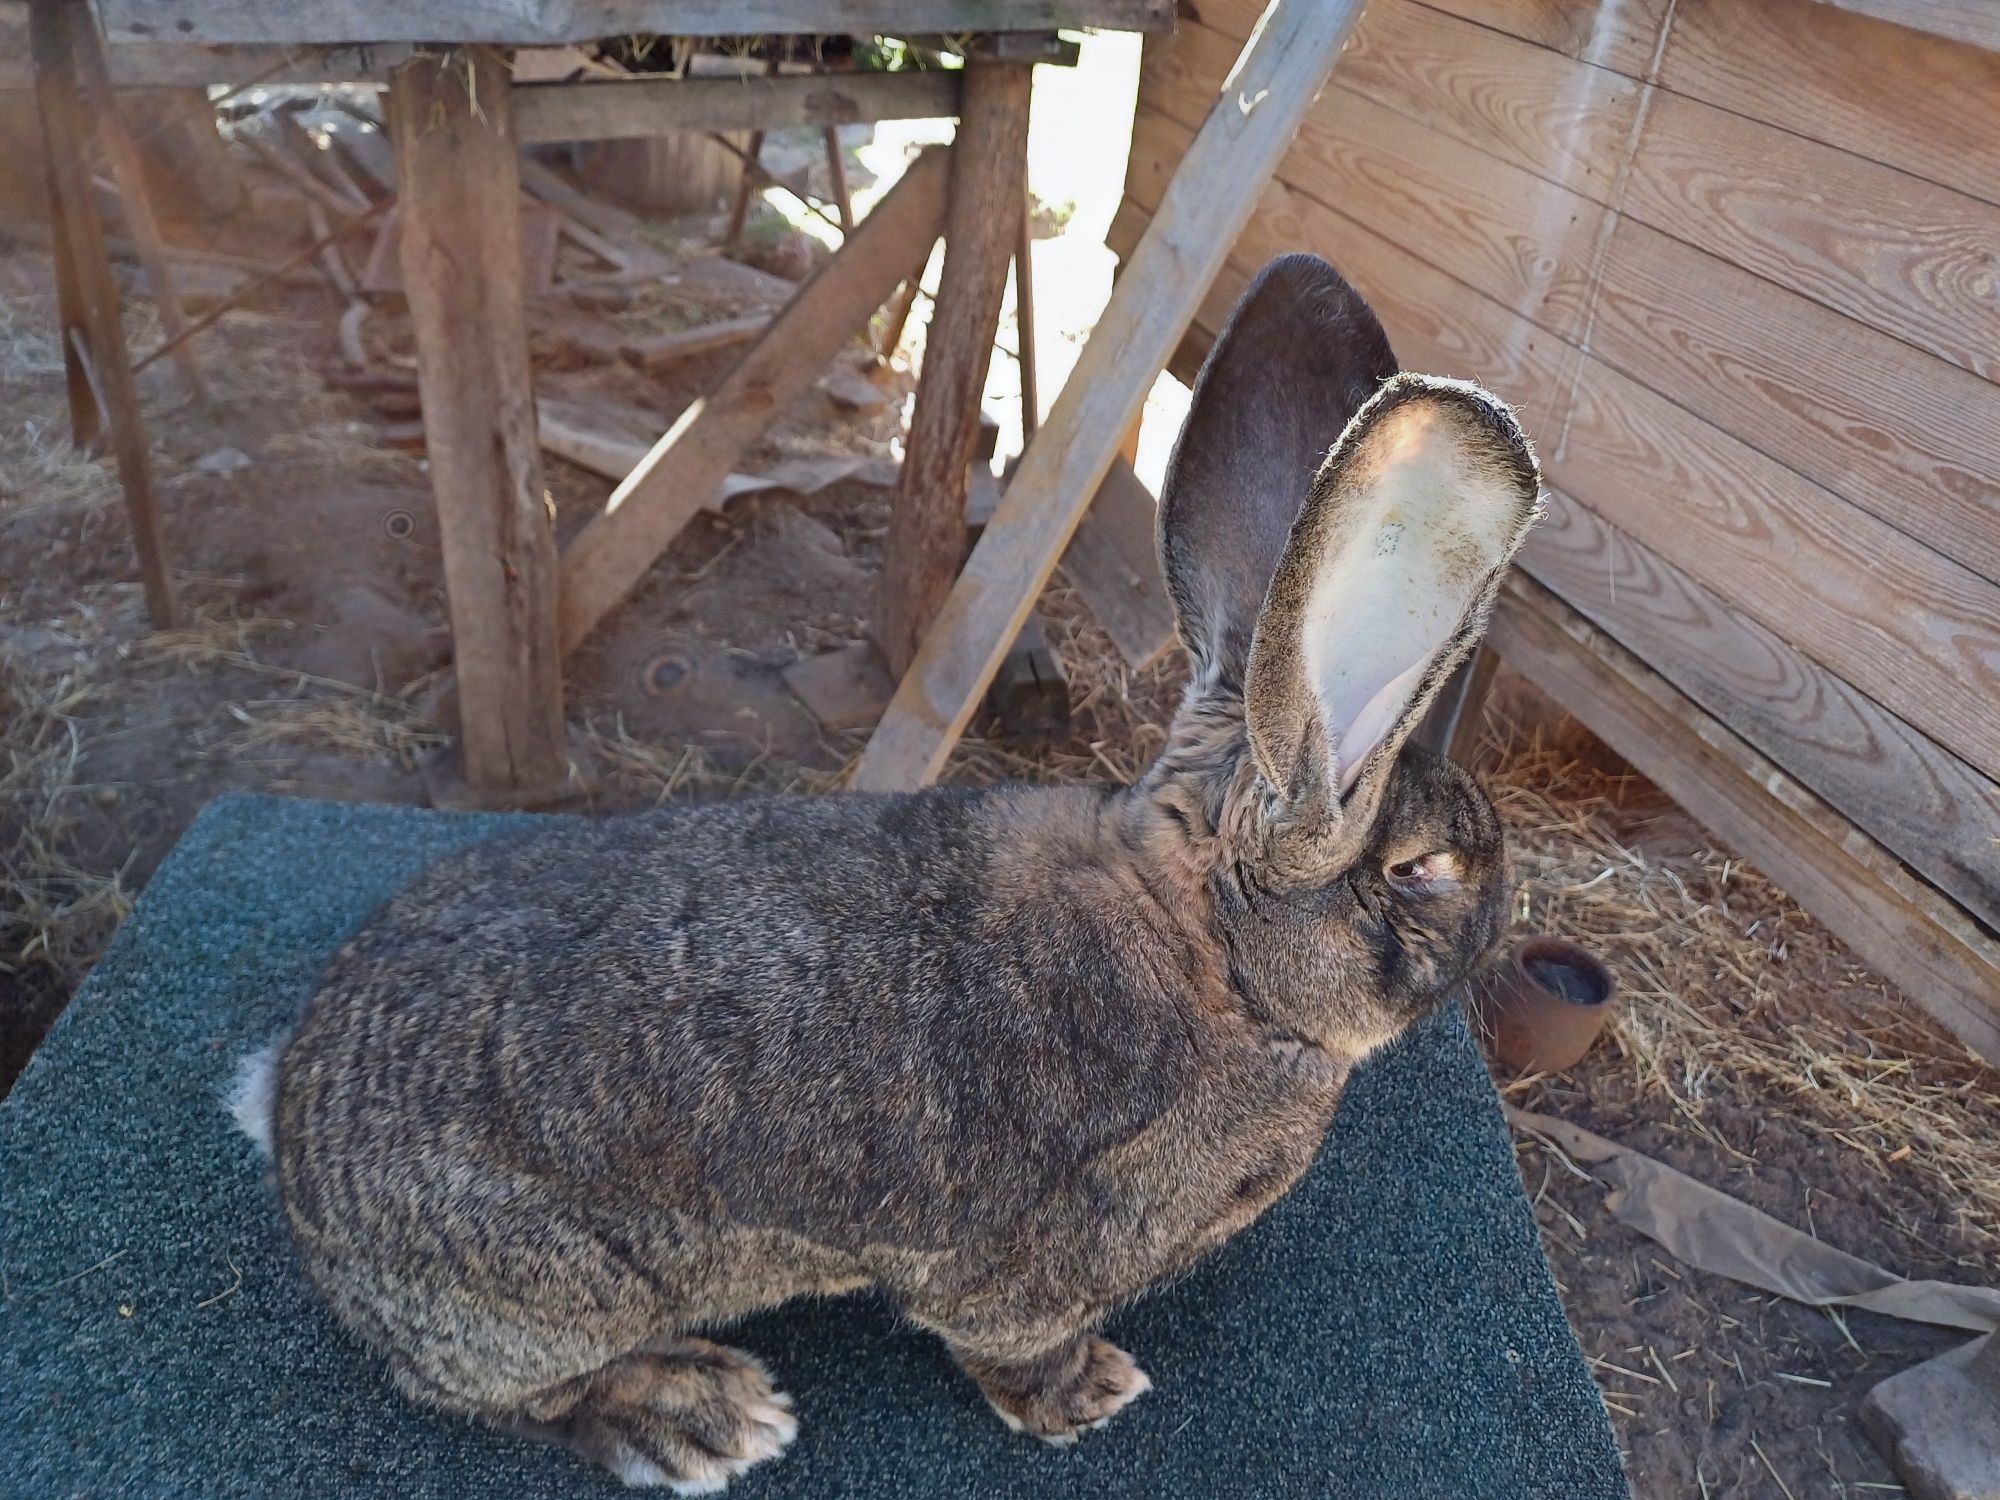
<point>253,1096</point>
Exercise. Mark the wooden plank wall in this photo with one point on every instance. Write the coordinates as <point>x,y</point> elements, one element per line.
<point>1738,263</point>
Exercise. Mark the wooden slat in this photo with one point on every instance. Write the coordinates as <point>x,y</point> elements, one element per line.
<point>1905,256</point>
<point>1973,21</point>
<point>1894,922</point>
<point>658,497</point>
<point>1115,564</point>
<point>461,258</point>
<point>1623,37</point>
<point>1523,241</point>
<point>1164,281</point>
<point>1900,433</point>
<point>989,182</point>
<point>546,112</point>
<point>1918,102</point>
<point>1919,800</point>
<point>1906,625</point>
<point>1552,115</point>
<point>551,22</point>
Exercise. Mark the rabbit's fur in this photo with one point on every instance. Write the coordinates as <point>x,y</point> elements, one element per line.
<point>1010,1055</point>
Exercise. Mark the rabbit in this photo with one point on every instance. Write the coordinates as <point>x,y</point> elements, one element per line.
<point>1009,1055</point>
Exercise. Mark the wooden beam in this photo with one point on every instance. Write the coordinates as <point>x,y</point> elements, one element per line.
<point>669,485</point>
<point>461,260</point>
<point>1206,205</point>
<point>927,523</point>
<point>553,22</point>
<point>613,110</point>
<point>94,350</point>
<point>1896,923</point>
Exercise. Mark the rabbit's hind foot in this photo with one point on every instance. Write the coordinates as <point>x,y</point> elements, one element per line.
<point>1063,1394</point>
<point>683,1414</point>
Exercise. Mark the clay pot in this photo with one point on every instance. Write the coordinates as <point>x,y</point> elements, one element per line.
<point>1539,1008</point>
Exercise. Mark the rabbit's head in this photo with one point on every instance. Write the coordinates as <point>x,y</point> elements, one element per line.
<point>1333,534</point>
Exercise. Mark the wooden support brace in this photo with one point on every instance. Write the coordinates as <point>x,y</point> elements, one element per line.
<point>672,482</point>
<point>1898,924</point>
<point>1205,207</point>
<point>548,112</point>
<point>100,370</point>
<point>927,522</point>
<point>1024,318</point>
<point>461,260</point>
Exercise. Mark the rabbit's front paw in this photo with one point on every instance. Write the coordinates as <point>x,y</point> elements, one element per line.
<point>1065,1394</point>
<point>687,1414</point>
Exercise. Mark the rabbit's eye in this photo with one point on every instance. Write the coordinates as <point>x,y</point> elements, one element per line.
<point>1425,872</point>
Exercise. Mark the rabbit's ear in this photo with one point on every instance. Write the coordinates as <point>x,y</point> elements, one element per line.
<point>1301,353</point>
<point>1383,588</point>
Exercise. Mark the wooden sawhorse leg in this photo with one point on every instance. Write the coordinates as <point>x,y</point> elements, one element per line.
<point>102,393</point>
<point>982,222</point>
<point>452,122</point>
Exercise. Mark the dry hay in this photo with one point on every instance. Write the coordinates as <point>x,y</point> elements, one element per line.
<point>1727,984</point>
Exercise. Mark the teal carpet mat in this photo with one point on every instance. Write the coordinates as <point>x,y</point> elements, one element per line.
<point>1388,1331</point>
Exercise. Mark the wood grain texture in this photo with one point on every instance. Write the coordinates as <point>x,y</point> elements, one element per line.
<point>1917,102</point>
<point>1916,798</point>
<point>1973,21</point>
<point>1909,258</point>
<point>674,480</point>
<point>1552,115</point>
<point>1896,923</point>
<point>1163,283</point>
<point>1524,242</point>
<point>461,261</point>
<point>546,112</point>
<point>1623,37</point>
<point>1898,432</point>
<point>551,22</point>
<point>989,183</point>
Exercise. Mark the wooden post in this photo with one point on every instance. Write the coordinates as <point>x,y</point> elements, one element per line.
<point>1205,207</point>
<point>121,154</point>
<point>927,525</point>
<point>461,260</point>
<point>93,338</point>
<point>836,171</point>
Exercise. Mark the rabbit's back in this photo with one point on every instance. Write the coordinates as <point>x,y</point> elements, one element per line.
<point>867,1021</point>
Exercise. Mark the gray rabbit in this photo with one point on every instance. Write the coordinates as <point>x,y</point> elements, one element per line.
<point>1010,1055</point>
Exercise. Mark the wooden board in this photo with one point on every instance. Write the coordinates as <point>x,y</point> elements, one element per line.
<point>599,111</point>
<point>1522,240</point>
<point>1114,562</point>
<point>461,260</point>
<point>686,465</point>
<point>1974,21</point>
<point>1921,103</point>
<point>1895,923</point>
<point>1927,805</point>
<point>1164,281</point>
<point>1901,434</point>
<point>1552,115</point>
<point>1623,37</point>
<point>1905,256</point>
<point>550,22</point>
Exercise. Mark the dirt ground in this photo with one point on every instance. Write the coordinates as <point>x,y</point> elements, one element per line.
<point>1751,1053</point>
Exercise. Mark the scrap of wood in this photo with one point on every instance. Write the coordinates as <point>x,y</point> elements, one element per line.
<point>843,689</point>
<point>656,351</point>
<point>614,110</point>
<point>1204,209</point>
<point>655,500</point>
